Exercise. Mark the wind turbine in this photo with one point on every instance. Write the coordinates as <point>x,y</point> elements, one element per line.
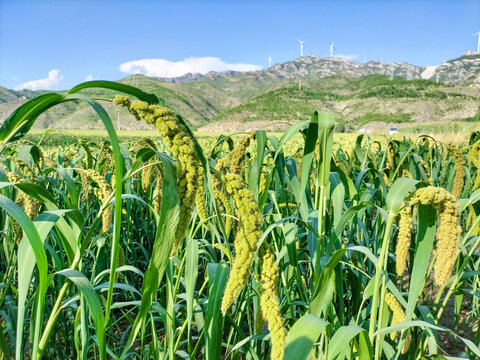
<point>269,61</point>
<point>301,46</point>
<point>331,49</point>
<point>478,45</point>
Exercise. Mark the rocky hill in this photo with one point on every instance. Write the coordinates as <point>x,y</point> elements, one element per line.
<point>357,93</point>
<point>465,69</point>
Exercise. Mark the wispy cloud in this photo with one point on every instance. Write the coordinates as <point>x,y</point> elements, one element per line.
<point>48,83</point>
<point>165,68</point>
<point>347,57</point>
<point>89,77</point>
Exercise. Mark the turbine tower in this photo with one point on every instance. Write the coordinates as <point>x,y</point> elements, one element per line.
<point>478,44</point>
<point>301,46</point>
<point>331,49</point>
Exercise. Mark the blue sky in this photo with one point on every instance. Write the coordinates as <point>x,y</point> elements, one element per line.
<point>62,43</point>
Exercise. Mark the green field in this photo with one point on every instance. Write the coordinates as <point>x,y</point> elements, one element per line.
<point>170,244</point>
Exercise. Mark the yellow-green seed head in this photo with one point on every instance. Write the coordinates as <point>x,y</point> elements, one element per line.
<point>269,304</point>
<point>403,239</point>
<point>458,181</point>
<point>448,230</point>
<point>246,238</point>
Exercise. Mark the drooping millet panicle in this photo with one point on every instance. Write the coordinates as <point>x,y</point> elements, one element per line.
<point>25,169</point>
<point>66,159</point>
<point>221,199</point>
<point>403,239</point>
<point>474,158</point>
<point>17,231</point>
<point>221,166</point>
<point>88,154</point>
<point>246,238</point>
<point>425,169</point>
<point>269,304</point>
<point>458,181</point>
<point>41,158</point>
<point>404,172</point>
<point>448,230</point>
<point>103,193</point>
<point>14,178</point>
<point>50,163</point>
<point>238,153</point>
<point>260,322</point>
<point>246,167</point>
<point>85,185</point>
<point>263,182</point>
<point>30,205</point>
<point>106,153</point>
<point>126,102</point>
<point>182,146</point>
<point>199,198</point>
<point>227,208</point>
<point>390,156</point>
<point>147,173</point>
<point>385,178</point>
<point>398,316</point>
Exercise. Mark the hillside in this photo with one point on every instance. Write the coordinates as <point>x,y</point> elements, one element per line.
<point>358,101</point>
<point>357,93</point>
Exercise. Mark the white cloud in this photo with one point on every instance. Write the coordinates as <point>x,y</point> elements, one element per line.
<point>165,68</point>
<point>89,77</point>
<point>48,83</point>
<point>347,57</point>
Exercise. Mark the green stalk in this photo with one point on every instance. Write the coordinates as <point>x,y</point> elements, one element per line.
<point>378,350</point>
<point>378,273</point>
<point>55,313</point>
<point>321,213</point>
<point>170,315</point>
<point>185,323</point>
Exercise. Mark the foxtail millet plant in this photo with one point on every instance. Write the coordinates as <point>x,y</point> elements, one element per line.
<point>246,238</point>
<point>458,181</point>
<point>474,158</point>
<point>403,239</point>
<point>190,176</point>
<point>398,316</point>
<point>238,153</point>
<point>103,194</point>
<point>448,230</point>
<point>269,304</point>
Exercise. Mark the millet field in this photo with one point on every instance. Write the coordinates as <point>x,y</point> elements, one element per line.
<point>253,245</point>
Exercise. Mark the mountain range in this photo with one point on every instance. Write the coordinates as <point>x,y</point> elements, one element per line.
<point>374,93</point>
